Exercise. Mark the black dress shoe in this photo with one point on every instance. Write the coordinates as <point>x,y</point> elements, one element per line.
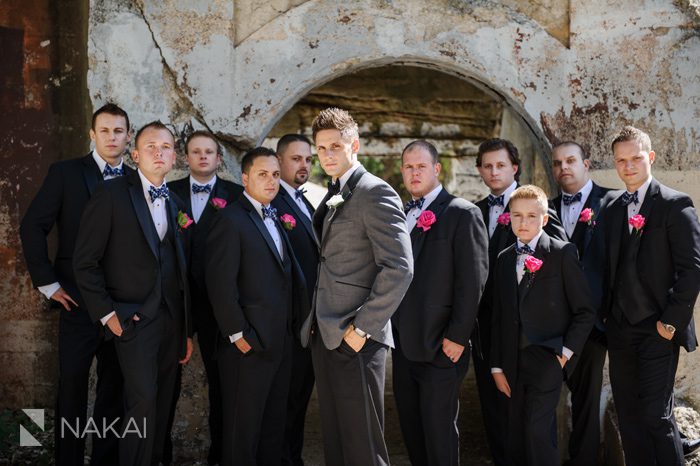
<point>689,446</point>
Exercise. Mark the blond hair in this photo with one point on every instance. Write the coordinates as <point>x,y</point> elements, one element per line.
<point>530,191</point>
<point>630,133</point>
<point>335,118</point>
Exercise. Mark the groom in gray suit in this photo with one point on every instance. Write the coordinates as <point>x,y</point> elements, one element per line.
<point>365,267</point>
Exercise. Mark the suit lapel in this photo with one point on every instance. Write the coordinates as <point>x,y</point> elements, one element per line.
<point>346,192</point>
<point>219,191</point>
<point>437,207</point>
<point>91,173</point>
<point>298,213</point>
<point>260,225</point>
<point>510,287</point>
<point>143,214</point>
<point>528,280</point>
<point>644,211</point>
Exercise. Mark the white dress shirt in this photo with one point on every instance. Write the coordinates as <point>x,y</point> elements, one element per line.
<point>632,208</point>
<point>51,288</point>
<point>520,273</point>
<point>570,213</point>
<point>159,215</point>
<point>274,233</point>
<point>300,202</point>
<point>497,210</point>
<point>413,214</point>
<point>199,200</point>
<point>346,176</point>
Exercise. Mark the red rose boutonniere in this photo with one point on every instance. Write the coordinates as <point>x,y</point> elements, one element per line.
<point>288,221</point>
<point>218,203</point>
<point>637,222</point>
<point>586,216</point>
<point>183,220</point>
<point>426,218</point>
<point>504,219</point>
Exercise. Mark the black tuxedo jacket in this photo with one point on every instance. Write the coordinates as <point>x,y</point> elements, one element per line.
<point>246,280</point>
<point>60,201</point>
<point>116,256</point>
<point>590,241</point>
<point>668,256</point>
<point>553,306</point>
<point>502,237</point>
<point>449,274</point>
<point>303,242</point>
<point>196,234</point>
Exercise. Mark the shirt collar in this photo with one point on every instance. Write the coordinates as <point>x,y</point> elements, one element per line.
<point>533,242</point>
<point>257,205</point>
<point>145,184</point>
<point>287,187</point>
<point>585,191</point>
<point>346,176</point>
<point>642,191</point>
<point>101,163</point>
<point>211,182</point>
<point>430,197</point>
<point>509,190</point>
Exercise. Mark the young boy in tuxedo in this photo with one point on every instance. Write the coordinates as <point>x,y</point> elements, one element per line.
<point>542,315</point>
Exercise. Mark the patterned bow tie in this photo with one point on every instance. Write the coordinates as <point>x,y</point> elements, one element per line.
<point>415,204</point>
<point>198,188</point>
<point>155,193</point>
<point>524,249</point>
<point>628,198</point>
<point>496,200</point>
<point>299,193</point>
<point>269,212</point>
<point>334,188</point>
<point>114,172</point>
<point>568,199</point>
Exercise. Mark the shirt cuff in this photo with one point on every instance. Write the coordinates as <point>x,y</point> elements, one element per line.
<point>362,333</point>
<point>567,353</point>
<point>496,370</point>
<point>49,290</point>
<point>107,317</point>
<point>235,337</point>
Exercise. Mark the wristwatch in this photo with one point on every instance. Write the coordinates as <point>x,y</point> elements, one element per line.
<point>359,332</point>
<point>669,328</point>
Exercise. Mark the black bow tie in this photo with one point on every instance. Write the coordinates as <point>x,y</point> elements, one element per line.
<point>198,188</point>
<point>627,198</point>
<point>568,200</point>
<point>524,249</point>
<point>109,171</point>
<point>299,193</point>
<point>334,188</point>
<point>155,193</point>
<point>496,200</point>
<point>415,204</point>
<point>269,212</point>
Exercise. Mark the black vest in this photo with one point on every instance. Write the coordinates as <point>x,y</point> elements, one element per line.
<point>171,297</point>
<point>629,296</point>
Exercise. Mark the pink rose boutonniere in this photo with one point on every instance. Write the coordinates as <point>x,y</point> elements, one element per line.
<point>504,219</point>
<point>637,222</point>
<point>183,220</point>
<point>426,218</point>
<point>587,216</point>
<point>218,203</point>
<point>288,221</point>
<point>533,264</point>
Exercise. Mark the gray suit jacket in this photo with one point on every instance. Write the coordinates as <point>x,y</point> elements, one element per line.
<point>365,264</point>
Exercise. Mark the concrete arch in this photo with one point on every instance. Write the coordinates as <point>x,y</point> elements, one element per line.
<point>488,45</point>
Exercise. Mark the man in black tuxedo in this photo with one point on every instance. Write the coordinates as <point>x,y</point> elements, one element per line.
<point>294,154</point>
<point>204,194</point>
<point>60,202</point>
<point>542,316</point>
<point>579,208</point>
<point>131,269</point>
<point>257,289</point>
<point>651,283</point>
<point>434,321</point>
<point>498,163</point>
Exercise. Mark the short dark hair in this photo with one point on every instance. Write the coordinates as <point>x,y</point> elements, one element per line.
<point>287,139</point>
<point>584,154</point>
<point>203,134</point>
<point>630,133</point>
<point>335,118</point>
<point>422,144</point>
<point>157,124</point>
<point>492,145</point>
<point>111,109</point>
<point>250,156</point>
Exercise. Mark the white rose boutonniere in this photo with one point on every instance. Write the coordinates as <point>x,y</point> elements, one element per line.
<point>335,201</point>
